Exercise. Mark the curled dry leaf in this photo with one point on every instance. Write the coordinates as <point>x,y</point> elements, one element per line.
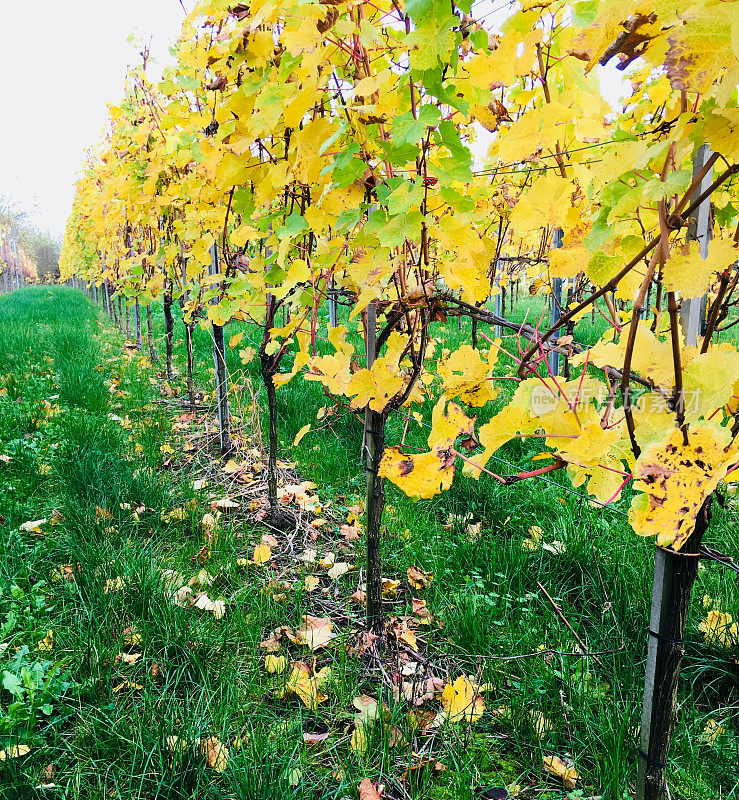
<point>370,791</point>
<point>419,579</point>
<point>557,768</point>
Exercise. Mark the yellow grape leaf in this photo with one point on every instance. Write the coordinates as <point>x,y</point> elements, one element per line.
<point>461,701</point>
<point>675,480</point>
<point>700,50</point>
<point>305,686</point>
<point>687,273</point>
<point>494,434</point>
<point>235,339</point>
<point>708,380</point>
<point>419,475</point>
<point>467,374</point>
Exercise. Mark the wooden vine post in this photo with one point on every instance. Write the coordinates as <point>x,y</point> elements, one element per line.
<point>374,446</point>
<point>692,310</point>
<point>221,374</point>
<point>188,334</point>
<point>556,308</point>
<point>674,575</point>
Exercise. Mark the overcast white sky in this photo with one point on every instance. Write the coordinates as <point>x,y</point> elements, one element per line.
<point>60,62</point>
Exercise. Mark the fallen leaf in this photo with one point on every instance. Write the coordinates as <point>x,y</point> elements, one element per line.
<point>15,751</point>
<point>350,532</point>
<point>114,585</point>
<point>311,583</point>
<point>262,554</point>
<point>275,663</point>
<point>47,643</point>
<point>314,738</point>
<point>419,579</point>
<point>557,768</point>
<point>271,644</point>
<point>215,752</point>
<point>34,526</point>
<point>461,701</point>
<point>301,433</point>
<point>339,568</point>
<point>127,658</point>
<point>131,636</point>
<point>420,610</point>
<point>305,685</point>
<point>224,502</point>
<point>218,607</point>
<point>124,685</point>
<point>316,632</point>
<point>367,790</point>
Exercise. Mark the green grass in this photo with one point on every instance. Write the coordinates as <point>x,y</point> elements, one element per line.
<point>67,389</point>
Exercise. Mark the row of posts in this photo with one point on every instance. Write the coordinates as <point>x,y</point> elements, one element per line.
<point>13,261</point>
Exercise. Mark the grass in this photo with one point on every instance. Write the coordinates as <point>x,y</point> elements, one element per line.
<point>83,435</point>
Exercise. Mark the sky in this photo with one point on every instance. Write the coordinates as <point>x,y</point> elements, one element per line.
<point>61,62</point>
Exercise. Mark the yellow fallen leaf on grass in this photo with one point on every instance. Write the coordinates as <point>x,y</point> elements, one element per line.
<point>556,767</point>
<point>262,554</point>
<point>114,585</point>
<point>124,685</point>
<point>215,752</point>
<point>275,664</point>
<point>34,526</point>
<point>461,701</point>
<point>301,433</point>
<point>311,583</point>
<point>15,751</point>
<point>305,685</point>
<point>47,643</point>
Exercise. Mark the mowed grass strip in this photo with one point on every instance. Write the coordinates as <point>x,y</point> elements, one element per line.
<point>82,440</point>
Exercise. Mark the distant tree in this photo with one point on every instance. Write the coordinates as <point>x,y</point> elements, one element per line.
<point>45,250</point>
